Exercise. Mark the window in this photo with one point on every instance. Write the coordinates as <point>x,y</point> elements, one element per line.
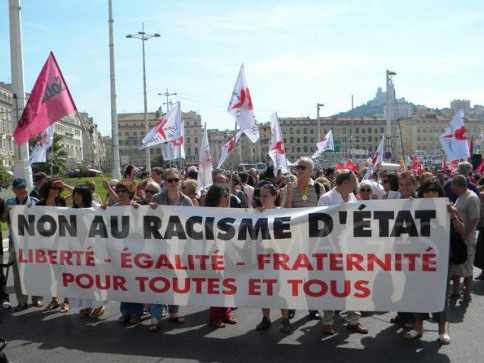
<point>305,149</point>
<point>298,140</point>
<point>305,139</point>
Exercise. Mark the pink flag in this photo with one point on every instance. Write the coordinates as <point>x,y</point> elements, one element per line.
<point>49,101</point>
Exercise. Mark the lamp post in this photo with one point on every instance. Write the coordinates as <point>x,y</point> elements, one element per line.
<point>143,36</point>
<point>390,99</point>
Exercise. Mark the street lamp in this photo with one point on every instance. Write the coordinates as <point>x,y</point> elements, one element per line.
<point>143,36</point>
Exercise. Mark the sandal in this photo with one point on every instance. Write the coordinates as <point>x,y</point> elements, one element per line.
<point>54,304</point>
<point>229,321</point>
<point>65,307</point>
<point>97,312</point>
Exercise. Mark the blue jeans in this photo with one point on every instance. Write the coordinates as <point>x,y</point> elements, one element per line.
<point>155,310</point>
<point>131,309</point>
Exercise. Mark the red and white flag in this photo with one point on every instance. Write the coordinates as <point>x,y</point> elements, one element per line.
<point>277,151</point>
<point>416,165</point>
<point>169,128</point>
<point>327,143</point>
<point>377,158</point>
<point>49,101</point>
<point>241,107</point>
<point>454,140</point>
<point>205,165</point>
<point>228,148</point>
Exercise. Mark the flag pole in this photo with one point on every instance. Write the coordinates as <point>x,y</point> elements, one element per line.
<point>22,167</point>
<point>116,171</point>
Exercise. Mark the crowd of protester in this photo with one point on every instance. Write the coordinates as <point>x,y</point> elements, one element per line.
<point>304,187</point>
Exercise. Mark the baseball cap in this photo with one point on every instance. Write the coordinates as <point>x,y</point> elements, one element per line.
<point>19,183</point>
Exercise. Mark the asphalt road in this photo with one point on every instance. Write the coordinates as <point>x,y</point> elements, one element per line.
<point>35,336</point>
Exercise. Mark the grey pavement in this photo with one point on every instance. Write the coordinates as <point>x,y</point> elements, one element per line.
<point>35,336</point>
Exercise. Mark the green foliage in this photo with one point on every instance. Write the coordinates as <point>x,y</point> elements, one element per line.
<point>5,177</point>
<point>56,158</point>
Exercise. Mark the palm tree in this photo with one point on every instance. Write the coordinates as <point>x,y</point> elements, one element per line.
<point>57,156</point>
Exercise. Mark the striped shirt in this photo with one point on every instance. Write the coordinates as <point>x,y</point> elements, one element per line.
<point>297,197</point>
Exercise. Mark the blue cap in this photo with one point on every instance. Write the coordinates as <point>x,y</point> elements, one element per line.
<point>19,183</point>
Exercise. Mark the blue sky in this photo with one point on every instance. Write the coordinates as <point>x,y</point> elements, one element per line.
<point>297,53</point>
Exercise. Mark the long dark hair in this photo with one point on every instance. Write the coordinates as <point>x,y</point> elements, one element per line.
<point>44,192</point>
<point>270,187</point>
<point>214,194</point>
<point>86,195</point>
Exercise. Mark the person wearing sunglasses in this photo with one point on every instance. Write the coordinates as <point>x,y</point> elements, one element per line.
<point>51,196</point>
<point>150,189</point>
<point>302,194</point>
<point>171,194</point>
<point>364,191</point>
<point>266,196</point>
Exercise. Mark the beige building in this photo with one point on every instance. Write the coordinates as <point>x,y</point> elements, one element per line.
<point>421,134</point>
<point>132,130</point>
<point>7,144</point>
<point>71,131</point>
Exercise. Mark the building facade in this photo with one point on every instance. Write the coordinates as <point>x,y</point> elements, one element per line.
<point>70,130</point>
<point>7,143</point>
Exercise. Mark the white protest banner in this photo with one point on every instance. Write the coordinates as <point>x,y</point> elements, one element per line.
<point>374,256</point>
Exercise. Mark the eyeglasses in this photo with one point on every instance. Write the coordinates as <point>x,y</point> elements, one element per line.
<point>151,191</point>
<point>171,180</point>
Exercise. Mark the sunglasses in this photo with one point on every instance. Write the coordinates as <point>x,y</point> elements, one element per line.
<point>176,180</point>
<point>149,191</point>
<point>365,190</point>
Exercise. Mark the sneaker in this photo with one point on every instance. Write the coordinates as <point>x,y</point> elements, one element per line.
<point>6,305</point>
<point>264,324</point>
<point>285,326</point>
<point>291,313</point>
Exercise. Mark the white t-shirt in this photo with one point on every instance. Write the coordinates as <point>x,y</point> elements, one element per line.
<point>333,197</point>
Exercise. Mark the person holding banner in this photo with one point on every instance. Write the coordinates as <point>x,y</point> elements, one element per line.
<point>433,189</point>
<point>19,188</point>
<point>131,313</point>
<point>82,197</point>
<point>346,182</point>
<point>170,195</point>
<point>302,194</point>
<point>51,196</point>
<point>267,195</point>
<point>219,196</point>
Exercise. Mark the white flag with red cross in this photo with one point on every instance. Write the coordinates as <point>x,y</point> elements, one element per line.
<point>228,148</point>
<point>454,140</point>
<point>241,107</point>
<point>277,151</point>
<point>327,143</point>
<point>169,128</point>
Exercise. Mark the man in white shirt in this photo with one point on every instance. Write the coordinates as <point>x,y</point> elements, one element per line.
<point>342,193</point>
